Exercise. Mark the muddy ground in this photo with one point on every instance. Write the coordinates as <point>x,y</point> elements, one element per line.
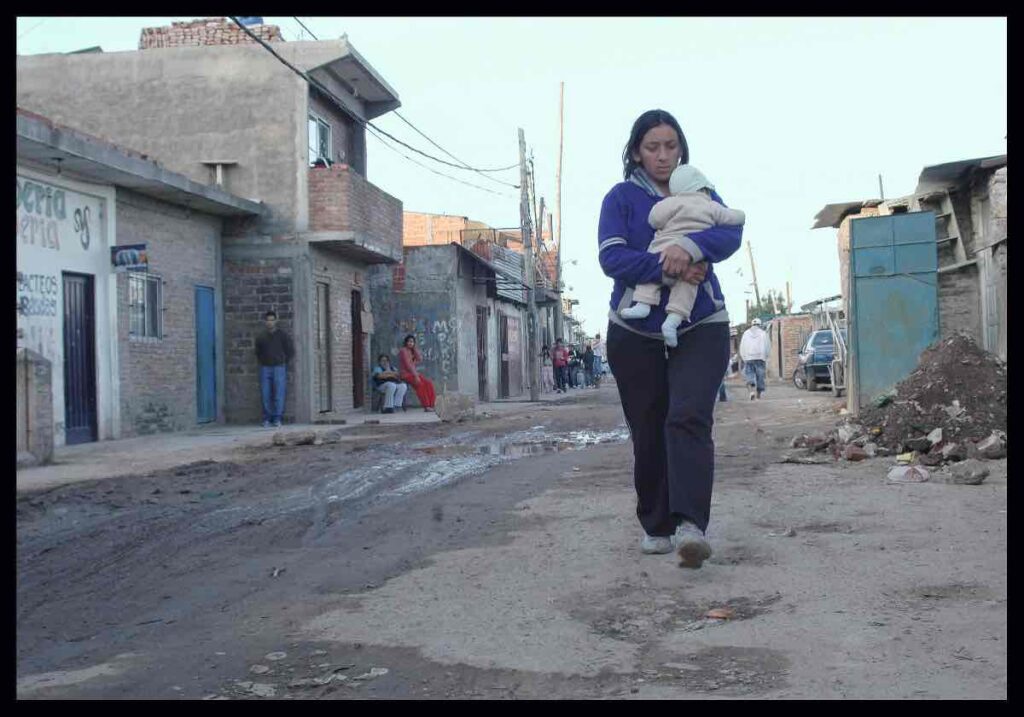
<point>499,559</point>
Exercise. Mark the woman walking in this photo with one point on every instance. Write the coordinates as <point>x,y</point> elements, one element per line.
<point>408,357</point>
<point>668,394</point>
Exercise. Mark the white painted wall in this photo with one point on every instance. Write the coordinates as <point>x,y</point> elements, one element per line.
<point>66,225</point>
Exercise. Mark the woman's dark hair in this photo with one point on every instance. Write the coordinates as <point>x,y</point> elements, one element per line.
<point>644,124</point>
<point>406,339</point>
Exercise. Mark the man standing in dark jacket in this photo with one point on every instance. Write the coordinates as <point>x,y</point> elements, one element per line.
<point>273,350</point>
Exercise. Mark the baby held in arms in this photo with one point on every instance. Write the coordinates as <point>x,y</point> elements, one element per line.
<point>689,209</point>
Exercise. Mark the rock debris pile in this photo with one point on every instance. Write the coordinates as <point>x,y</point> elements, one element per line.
<point>951,408</point>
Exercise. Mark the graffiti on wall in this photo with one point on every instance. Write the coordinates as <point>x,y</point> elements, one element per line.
<point>438,341</point>
<point>38,294</point>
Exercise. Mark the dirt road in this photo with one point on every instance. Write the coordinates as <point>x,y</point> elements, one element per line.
<point>499,559</point>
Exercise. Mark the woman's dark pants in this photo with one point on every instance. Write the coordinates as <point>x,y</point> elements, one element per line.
<point>669,405</point>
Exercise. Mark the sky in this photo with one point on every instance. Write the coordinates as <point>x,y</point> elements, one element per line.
<point>783,115</point>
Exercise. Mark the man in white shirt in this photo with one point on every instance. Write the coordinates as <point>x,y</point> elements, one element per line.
<point>754,349</point>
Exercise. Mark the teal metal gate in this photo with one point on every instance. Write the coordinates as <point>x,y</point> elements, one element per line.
<point>894,306</point>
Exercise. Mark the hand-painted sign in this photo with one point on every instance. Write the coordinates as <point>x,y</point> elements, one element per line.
<point>129,257</point>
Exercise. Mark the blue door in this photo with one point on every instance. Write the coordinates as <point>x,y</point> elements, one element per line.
<point>894,300</point>
<point>206,356</point>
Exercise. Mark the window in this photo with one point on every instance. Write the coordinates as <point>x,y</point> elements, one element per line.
<point>319,140</point>
<point>822,338</point>
<point>145,304</point>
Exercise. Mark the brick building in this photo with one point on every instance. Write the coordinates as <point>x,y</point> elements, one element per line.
<point>224,112</point>
<point>787,333</point>
<point>129,352</point>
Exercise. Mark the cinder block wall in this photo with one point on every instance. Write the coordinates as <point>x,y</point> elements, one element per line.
<point>788,335</point>
<point>960,303</point>
<point>158,375</point>
<point>34,405</point>
<point>252,287</point>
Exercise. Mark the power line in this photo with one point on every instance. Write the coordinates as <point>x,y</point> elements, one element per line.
<point>431,169</point>
<point>499,169</point>
<point>328,93</point>
<point>32,28</point>
<point>305,28</point>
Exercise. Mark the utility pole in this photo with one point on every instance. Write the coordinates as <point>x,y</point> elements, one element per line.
<point>524,223</point>
<point>757,295</point>
<point>789,299</point>
<point>558,215</point>
<point>881,189</point>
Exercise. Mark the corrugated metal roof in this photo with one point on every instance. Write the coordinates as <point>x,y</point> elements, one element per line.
<point>832,215</point>
<point>939,176</point>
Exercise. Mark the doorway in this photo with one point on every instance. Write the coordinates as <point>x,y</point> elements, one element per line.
<point>323,347</point>
<point>358,389</point>
<point>481,351</point>
<point>206,356</point>
<point>79,359</point>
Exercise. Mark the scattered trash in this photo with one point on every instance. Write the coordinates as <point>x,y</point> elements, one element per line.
<point>576,469</point>
<point>907,474</point>
<point>969,472</point>
<point>871,449</point>
<point>787,533</point>
<point>954,452</point>
<point>277,571</point>
<point>905,457</point>
<point>935,436</point>
<point>316,653</point>
<point>317,681</point>
<point>372,674</point>
<point>854,453</point>
<point>805,459</point>
<point>720,613</point>
<point>259,669</point>
<point>258,688</point>
<point>275,656</point>
<point>994,446</point>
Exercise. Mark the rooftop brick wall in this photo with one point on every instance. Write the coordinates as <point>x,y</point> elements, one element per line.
<point>205,31</point>
<point>419,229</point>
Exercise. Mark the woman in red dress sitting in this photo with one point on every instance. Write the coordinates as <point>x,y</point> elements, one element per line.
<point>408,357</point>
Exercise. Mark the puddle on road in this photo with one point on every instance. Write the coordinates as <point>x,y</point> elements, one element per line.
<point>520,446</point>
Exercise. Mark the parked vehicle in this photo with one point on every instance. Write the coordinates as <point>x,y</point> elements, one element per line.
<point>815,360</point>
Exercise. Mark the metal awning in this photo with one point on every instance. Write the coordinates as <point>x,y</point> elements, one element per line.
<point>833,214</point>
<point>940,176</point>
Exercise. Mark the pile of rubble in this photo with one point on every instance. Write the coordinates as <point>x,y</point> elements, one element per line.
<point>951,408</point>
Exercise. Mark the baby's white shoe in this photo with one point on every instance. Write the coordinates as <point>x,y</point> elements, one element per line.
<point>636,311</point>
<point>669,328</point>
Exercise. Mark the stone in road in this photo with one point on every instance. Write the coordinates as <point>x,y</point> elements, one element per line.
<point>497,578</point>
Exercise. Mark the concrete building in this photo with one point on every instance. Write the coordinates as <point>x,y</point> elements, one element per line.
<point>968,198</point>
<point>132,352</point>
<point>227,113</point>
<point>472,338</point>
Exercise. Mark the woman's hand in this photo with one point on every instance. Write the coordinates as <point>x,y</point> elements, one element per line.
<point>674,261</point>
<point>695,273</point>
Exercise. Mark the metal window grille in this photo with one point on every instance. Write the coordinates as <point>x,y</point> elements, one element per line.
<point>145,305</point>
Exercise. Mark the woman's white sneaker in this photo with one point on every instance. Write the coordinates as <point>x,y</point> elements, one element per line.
<point>655,545</point>
<point>691,545</point>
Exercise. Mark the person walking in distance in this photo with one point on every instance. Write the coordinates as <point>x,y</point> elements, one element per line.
<point>560,362</point>
<point>408,357</point>
<point>274,349</point>
<point>588,365</point>
<point>547,377</point>
<point>668,394</point>
<point>754,350</point>
<point>599,352</point>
